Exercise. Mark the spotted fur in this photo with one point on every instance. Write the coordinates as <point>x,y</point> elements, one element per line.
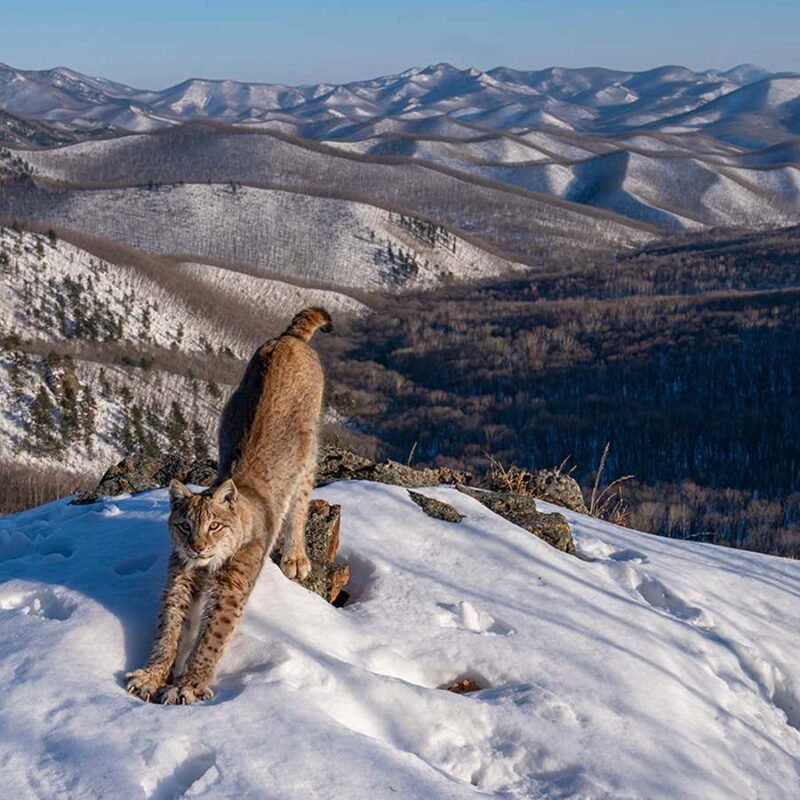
<point>267,455</point>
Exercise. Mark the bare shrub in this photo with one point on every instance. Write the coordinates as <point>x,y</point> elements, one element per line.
<point>25,486</point>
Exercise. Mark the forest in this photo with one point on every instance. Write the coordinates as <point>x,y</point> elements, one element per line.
<point>684,356</point>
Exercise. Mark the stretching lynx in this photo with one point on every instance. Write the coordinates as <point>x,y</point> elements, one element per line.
<point>267,456</point>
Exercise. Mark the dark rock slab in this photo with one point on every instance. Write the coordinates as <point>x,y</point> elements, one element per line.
<point>521,510</point>
<point>435,508</point>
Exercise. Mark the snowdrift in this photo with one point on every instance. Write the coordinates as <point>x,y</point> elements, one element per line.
<point>644,668</point>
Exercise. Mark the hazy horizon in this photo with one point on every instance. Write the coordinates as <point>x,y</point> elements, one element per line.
<point>519,67</point>
<point>313,42</point>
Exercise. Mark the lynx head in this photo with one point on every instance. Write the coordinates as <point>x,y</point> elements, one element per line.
<point>206,528</point>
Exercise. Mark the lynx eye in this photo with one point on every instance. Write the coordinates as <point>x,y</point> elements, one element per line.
<point>214,526</point>
<point>184,526</point>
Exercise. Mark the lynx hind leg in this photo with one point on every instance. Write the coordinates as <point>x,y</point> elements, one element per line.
<point>294,558</point>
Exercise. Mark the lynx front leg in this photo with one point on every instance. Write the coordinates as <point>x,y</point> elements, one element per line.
<point>182,589</point>
<point>294,559</point>
<point>229,590</point>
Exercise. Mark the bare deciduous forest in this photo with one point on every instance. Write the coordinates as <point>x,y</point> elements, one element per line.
<point>685,356</point>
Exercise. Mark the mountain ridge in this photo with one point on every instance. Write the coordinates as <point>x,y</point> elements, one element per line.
<point>580,97</point>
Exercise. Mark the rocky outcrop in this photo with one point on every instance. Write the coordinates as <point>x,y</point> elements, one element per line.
<point>435,508</point>
<point>337,464</point>
<point>554,486</point>
<point>137,473</point>
<point>521,510</point>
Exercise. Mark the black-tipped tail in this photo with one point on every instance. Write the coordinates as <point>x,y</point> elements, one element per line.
<point>307,321</point>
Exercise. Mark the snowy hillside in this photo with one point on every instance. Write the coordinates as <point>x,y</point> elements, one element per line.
<point>605,187</point>
<point>644,668</point>
<point>562,154</point>
<point>337,243</point>
<point>590,99</point>
<point>99,357</point>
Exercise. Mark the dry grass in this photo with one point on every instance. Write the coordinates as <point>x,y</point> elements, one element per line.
<point>508,479</point>
<point>608,503</point>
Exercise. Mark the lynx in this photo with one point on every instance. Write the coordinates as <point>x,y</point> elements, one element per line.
<point>267,456</point>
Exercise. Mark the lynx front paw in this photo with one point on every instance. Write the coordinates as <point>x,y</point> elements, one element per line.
<point>144,684</point>
<point>184,694</point>
<point>296,566</point>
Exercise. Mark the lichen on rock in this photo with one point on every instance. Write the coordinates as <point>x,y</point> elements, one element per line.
<point>435,508</point>
<point>521,510</point>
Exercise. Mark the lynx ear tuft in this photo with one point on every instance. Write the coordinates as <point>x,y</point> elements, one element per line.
<point>177,492</point>
<point>226,492</point>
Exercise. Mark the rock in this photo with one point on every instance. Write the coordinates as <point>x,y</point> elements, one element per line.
<point>464,686</point>
<point>338,464</point>
<point>521,510</point>
<point>326,580</point>
<point>400,475</point>
<point>556,487</point>
<point>201,473</point>
<point>322,531</point>
<point>435,508</point>
<point>338,576</point>
<point>328,577</point>
<point>138,472</point>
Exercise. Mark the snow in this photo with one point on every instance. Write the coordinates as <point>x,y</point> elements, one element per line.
<point>260,293</point>
<point>580,99</point>
<point>297,237</point>
<point>644,668</point>
<point>144,310</point>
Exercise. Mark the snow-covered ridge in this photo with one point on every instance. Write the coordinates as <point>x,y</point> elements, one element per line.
<point>644,668</point>
<point>582,99</point>
<point>680,180</point>
<point>334,242</point>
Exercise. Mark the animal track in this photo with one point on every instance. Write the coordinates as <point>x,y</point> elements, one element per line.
<point>132,566</point>
<point>176,769</point>
<point>656,594</point>
<point>628,555</point>
<point>14,544</point>
<point>776,688</point>
<point>59,548</point>
<point>594,550</point>
<point>466,617</point>
<point>44,603</point>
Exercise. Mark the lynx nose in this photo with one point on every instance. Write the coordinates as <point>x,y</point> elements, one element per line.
<point>200,544</point>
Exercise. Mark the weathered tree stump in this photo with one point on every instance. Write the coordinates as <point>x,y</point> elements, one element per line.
<point>328,577</point>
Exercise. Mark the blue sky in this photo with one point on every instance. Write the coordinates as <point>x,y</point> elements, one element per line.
<point>151,44</point>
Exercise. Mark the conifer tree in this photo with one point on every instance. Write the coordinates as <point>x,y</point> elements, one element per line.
<point>177,429</point>
<point>43,422</point>
<point>87,413</point>
<point>70,420</point>
<point>199,442</point>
